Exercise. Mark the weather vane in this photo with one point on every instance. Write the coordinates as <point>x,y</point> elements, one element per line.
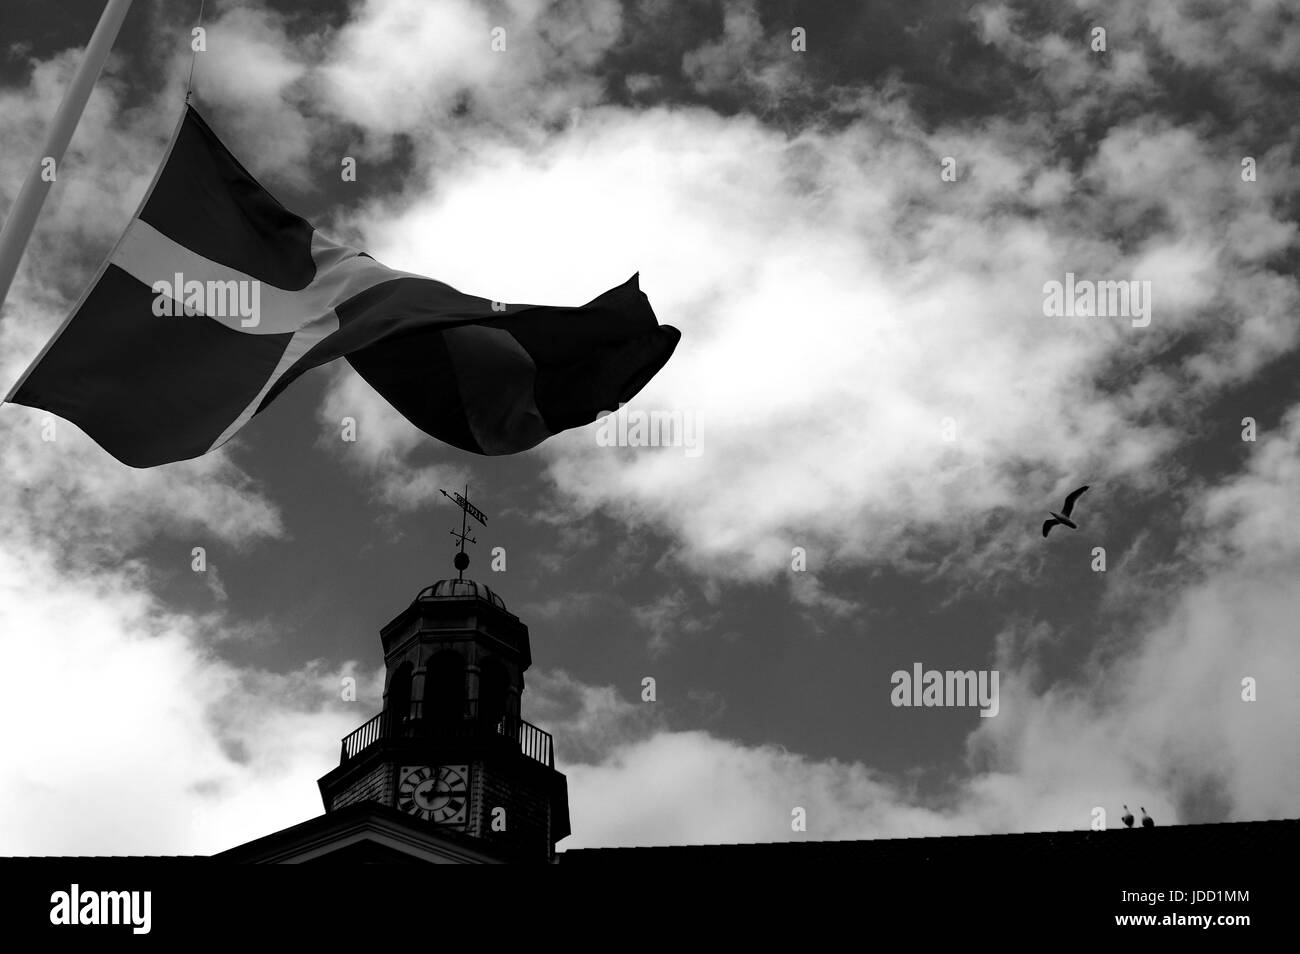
<point>467,510</point>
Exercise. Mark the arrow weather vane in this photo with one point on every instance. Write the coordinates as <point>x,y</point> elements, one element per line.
<point>467,510</point>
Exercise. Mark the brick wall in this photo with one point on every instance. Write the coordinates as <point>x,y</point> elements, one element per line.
<point>528,809</point>
<point>375,786</point>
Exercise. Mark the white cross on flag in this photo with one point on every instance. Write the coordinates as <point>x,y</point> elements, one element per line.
<point>216,297</point>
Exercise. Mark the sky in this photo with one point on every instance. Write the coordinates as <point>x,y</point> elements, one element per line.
<point>866,356</point>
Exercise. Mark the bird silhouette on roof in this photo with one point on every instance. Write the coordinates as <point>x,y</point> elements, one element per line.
<point>1063,517</point>
<point>1127,818</point>
<point>1147,821</point>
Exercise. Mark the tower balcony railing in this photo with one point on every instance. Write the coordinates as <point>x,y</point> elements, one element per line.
<point>533,742</point>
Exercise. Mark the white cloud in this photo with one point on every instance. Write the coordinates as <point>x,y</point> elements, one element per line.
<point>127,736</point>
<point>1161,725</point>
<point>670,617</point>
<point>586,721</point>
<point>406,65</point>
<point>744,58</point>
<point>838,301</point>
<point>693,788</point>
<point>1250,514</point>
<point>260,79</point>
<point>1155,717</point>
<point>377,443</point>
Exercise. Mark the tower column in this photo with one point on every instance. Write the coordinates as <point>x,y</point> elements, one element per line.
<point>472,683</point>
<point>417,691</point>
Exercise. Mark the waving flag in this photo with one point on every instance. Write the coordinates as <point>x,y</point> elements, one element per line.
<point>216,297</point>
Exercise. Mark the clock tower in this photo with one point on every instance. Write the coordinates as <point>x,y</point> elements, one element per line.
<point>450,748</point>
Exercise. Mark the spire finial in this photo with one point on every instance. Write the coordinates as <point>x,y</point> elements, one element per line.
<point>467,510</point>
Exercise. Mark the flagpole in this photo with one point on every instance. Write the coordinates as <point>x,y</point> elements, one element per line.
<point>21,222</point>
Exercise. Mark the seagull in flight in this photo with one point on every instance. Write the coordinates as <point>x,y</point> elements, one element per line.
<point>1063,517</point>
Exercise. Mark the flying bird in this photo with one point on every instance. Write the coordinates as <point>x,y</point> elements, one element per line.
<point>1063,517</point>
<point>1146,819</point>
<point>1127,818</point>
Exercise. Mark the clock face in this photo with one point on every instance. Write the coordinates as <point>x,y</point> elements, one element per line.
<point>438,794</point>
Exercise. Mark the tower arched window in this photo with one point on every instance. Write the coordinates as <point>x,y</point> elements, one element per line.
<point>399,696</point>
<point>444,691</point>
